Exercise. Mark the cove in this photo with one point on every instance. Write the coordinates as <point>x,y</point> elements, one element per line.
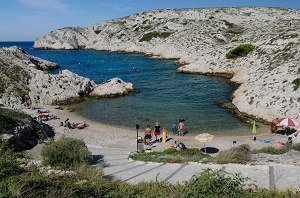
<point>163,95</point>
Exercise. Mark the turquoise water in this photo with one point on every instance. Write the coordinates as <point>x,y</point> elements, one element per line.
<point>164,95</point>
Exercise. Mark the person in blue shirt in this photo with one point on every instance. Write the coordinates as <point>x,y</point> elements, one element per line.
<point>174,129</point>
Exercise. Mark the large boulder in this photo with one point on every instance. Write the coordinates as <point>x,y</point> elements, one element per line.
<point>113,87</point>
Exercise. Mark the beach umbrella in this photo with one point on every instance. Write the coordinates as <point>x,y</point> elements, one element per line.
<point>204,137</point>
<point>287,122</point>
<point>254,128</point>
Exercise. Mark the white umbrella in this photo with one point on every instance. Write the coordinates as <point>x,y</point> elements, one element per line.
<point>204,137</point>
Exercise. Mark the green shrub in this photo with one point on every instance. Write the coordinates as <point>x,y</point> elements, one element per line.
<point>9,117</point>
<point>13,79</point>
<point>215,184</point>
<point>65,153</point>
<point>270,150</point>
<point>40,136</point>
<point>171,156</point>
<point>150,35</point>
<point>296,83</point>
<point>239,51</point>
<point>8,161</point>
<point>239,155</point>
<point>295,146</point>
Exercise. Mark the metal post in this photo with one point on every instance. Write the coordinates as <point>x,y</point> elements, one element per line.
<point>137,136</point>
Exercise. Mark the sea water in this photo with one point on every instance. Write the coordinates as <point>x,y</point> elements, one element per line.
<point>163,95</point>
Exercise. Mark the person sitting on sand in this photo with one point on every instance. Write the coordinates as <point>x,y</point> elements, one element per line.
<point>81,125</point>
<point>42,111</point>
<point>289,142</point>
<point>181,146</point>
<point>148,135</point>
<point>174,145</point>
<point>273,127</point>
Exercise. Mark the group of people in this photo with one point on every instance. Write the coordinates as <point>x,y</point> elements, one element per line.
<point>178,145</point>
<point>44,115</point>
<point>283,130</point>
<point>178,129</point>
<point>70,125</point>
<point>156,131</point>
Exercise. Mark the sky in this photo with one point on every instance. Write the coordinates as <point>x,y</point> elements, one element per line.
<point>26,20</point>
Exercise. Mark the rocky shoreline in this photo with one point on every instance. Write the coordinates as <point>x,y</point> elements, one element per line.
<point>31,82</point>
<point>202,37</point>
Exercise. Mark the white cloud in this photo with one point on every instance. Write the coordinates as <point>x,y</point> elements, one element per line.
<point>44,4</point>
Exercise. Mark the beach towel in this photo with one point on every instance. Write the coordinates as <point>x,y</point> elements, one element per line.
<point>266,141</point>
<point>278,145</point>
<point>153,143</point>
<point>37,108</point>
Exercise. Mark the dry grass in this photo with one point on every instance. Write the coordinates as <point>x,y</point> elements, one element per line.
<point>238,155</point>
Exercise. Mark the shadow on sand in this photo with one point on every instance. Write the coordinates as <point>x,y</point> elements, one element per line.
<point>210,150</point>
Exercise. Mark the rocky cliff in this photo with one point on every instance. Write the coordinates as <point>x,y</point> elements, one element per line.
<point>200,39</point>
<point>24,79</point>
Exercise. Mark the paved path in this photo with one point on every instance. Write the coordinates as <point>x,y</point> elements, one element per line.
<point>117,165</point>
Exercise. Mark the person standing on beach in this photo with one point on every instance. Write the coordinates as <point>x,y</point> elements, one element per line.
<point>157,131</point>
<point>174,128</point>
<point>181,128</point>
<point>148,134</point>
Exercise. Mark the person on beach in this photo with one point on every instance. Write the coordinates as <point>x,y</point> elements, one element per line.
<point>181,127</point>
<point>289,142</point>
<point>174,128</point>
<point>148,133</point>
<point>157,131</point>
<point>273,127</point>
<point>233,143</point>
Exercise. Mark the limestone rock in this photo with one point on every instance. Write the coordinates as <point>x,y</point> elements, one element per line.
<point>114,87</point>
<point>29,80</point>
<point>200,38</point>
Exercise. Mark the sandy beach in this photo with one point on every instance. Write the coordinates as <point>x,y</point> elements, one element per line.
<point>101,135</point>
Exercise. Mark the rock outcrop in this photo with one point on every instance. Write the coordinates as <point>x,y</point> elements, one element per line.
<point>24,80</point>
<point>113,87</point>
<point>200,39</point>
<point>22,131</point>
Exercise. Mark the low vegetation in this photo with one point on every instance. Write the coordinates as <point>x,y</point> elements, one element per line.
<point>276,151</point>
<point>9,117</point>
<point>13,80</point>
<point>270,150</point>
<point>88,181</point>
<point>240,51</point>
<point>148,36</point>
<point>296,83</point>
<point>65,153</point>
<point>172,156</point>
<point>239,155</point>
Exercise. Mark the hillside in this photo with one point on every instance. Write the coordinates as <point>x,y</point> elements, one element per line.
<point>200,39</point>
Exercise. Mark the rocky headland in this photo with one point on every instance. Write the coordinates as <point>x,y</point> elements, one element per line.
<point>268,74</point>
<point>26,79</point>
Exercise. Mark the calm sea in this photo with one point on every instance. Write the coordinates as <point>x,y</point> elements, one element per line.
<point>164,95</point>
